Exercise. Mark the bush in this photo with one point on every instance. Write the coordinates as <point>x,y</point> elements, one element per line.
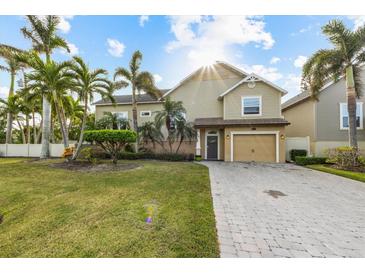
<point>345,157</point>
<point>303,160</point>
<point>111,141</point>
<point>156,156</point>
<point>297,152</point>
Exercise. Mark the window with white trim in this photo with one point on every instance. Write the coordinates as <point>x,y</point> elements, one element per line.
<point>145,113</point>
<point>251,105</point>
<point>122,114</point>
<point>344,116</point>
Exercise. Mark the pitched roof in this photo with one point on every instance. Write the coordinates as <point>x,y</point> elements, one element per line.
<point>127,99</point>
<point>218,121</point>
<point>252,77</point>
<point>243,73</point>
<point>296,99</point>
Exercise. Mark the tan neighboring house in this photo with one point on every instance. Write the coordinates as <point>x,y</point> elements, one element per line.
<point>324,121</point>
<point>237,115</point>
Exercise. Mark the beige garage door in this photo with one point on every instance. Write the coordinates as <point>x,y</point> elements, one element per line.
<point>259,147</point>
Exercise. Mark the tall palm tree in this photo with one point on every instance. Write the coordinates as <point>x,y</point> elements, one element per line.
<point>343,60</point>
<point>87,83</point>
<point>42,33</point>
<point>172,112</point>
<point>139,81</point>
<point>13,66</point>
<point>52,79</point>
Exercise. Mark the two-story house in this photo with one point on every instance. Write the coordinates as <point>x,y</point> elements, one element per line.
<point>237,115</point>
<point>325,118</point>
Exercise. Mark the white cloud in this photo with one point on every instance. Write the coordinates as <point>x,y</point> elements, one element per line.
<point>115,48</point>
<point>64,25</point>
<point>275,60</point>
<point>74,50</point>
<point>359,20</point>
<point>292,84</point>
<point>300,61</point>
<point>270,73</point>
<point>158,78</point>
<point>4,91</point>
<point>207,38</point>
<point>143,19</point>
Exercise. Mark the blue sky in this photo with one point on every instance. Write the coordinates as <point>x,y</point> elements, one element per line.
<point>274,47</point>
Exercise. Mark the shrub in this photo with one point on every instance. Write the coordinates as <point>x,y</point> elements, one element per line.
<point>89,155</point>
<point>303,160</point>
<point>297,152</point>
<point>111,141</point>
<point>157,156</point>
<point>345,157</point>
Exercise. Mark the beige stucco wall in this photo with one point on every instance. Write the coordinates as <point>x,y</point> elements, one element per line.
<point>280,129</point>
<point>99,111</point>
<point>302,121</point>
<point>270,100</point>
<point>200,93</point>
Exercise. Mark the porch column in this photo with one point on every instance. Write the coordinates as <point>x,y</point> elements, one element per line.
<point>197,146</point>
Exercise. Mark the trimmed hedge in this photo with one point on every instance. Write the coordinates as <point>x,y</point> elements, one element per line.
<point>297,152</point>
<point>110,135</point>
<point>157,156</point>
<point>303,160</point>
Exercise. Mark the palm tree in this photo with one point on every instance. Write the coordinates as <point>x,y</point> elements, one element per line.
<point>112,121</point>
<point>53,80</point>
<point>42,33</point>
<point>87,83</point>
<point>138,80</point>
<point>172,112</point>
<point>12,106</point>
<point>343,60</point>
<point>13,66</point>
<point>148,132</point>
<point>184,131</point>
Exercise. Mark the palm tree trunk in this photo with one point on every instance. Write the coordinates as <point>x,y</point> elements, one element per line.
<point>34,128</point>
<point>9,128</point>
<point>22,131</point>
<point>61,121</point>
<point>28,128</point>
<point>9,121</point>
<point>81,139</point>
<point>134,113</point>
<point>351,105</point>
<point>46,127</point>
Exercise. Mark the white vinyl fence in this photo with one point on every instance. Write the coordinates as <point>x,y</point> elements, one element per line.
<point>296,143</point>
<point>29,150</point>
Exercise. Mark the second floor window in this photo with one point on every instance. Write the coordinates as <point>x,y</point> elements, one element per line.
<point>251,106</point>
<point>344,116</point>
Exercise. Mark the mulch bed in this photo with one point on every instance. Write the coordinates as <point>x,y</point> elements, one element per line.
<point>90,167</point>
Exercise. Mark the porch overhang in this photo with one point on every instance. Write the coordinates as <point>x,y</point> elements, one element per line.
<point>219,122</point>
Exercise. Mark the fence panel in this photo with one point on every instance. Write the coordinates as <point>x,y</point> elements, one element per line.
<point>29,150</point>
<point>296,143</point>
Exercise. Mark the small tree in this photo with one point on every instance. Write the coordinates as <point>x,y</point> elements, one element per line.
<point>148,132</point>
<point>111,141</point>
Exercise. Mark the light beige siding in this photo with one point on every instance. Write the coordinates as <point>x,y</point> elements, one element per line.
<point>200,93</point>
<point>99,111</point>
<point>270,100</point>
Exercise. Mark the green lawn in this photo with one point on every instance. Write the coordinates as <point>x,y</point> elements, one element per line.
<point>50,212</point>
<point>344,173</point>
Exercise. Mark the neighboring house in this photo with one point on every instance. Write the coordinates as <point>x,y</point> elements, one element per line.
<point>237,115</point>
<point>324,120</point>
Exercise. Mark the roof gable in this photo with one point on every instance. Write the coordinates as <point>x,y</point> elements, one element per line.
<point>252,77</point>
<point>201,70</point>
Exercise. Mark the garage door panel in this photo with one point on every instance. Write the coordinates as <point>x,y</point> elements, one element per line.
<point>254,147</point>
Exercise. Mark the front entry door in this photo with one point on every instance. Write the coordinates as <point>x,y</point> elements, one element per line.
<point>212,147</point>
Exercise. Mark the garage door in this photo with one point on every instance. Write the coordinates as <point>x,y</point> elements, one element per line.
<point>259,147</point>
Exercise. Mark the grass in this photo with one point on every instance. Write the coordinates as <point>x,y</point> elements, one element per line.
<point>51,212</point>
<point>358,176</point>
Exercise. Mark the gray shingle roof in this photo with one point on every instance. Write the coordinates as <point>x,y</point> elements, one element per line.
<point>127,99</point>
<point>218,121</point>
<point>296,99</point>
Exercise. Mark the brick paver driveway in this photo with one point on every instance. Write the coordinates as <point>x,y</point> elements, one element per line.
<point>282,210</point>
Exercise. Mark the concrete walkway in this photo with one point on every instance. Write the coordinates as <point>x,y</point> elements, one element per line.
<point>282,210</point>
